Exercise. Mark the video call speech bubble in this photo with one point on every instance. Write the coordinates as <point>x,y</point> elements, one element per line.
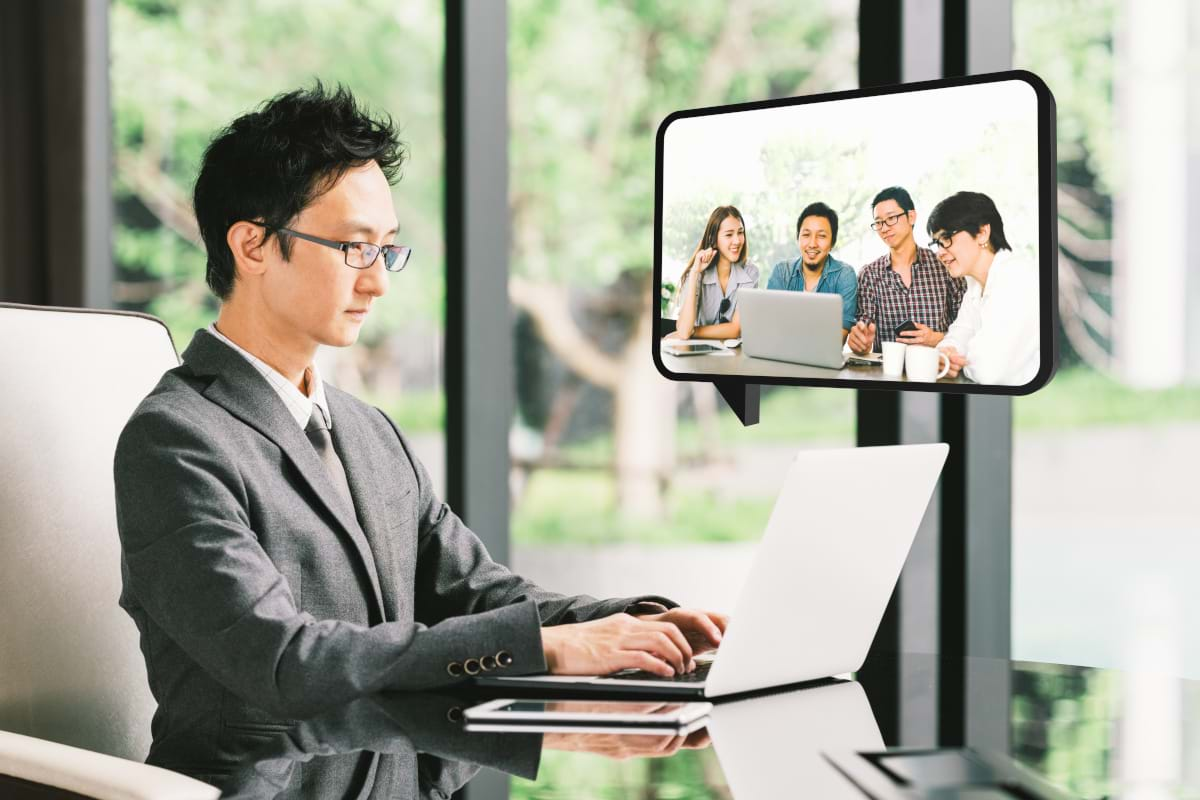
<point>900,237</point>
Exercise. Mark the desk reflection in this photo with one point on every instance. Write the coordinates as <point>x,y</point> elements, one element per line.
<point>1083,730</point>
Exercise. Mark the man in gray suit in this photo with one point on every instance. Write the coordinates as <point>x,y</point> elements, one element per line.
<point>282,548</point>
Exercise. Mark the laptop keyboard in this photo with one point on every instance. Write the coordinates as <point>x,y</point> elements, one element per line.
<point>695,676</point>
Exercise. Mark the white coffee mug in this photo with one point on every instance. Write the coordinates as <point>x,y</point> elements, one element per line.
<point>921,363</point>
<point>893,359</point>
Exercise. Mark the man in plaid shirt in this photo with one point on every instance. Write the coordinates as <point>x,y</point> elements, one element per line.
<point>908,283</point>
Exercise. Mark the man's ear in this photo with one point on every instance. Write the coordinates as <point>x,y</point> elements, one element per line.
<point>246,242</point>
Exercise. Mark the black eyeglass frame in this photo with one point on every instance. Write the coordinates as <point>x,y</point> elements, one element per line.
<point>400,252</point>
<point>890,221</point>
<point>942,242</point>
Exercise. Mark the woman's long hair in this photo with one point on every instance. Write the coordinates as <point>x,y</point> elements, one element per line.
<point>709,239</point>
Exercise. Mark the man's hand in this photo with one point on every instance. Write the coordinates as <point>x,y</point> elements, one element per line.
<point>702,629</point>
<point>922,335</point>
<point>957,361</point>
<point>618,642</point>
<point>862,337</point>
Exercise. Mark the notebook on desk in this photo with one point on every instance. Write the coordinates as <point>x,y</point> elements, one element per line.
<point>821,579</point>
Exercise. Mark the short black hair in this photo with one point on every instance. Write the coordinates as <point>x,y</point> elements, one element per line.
<point>897,193</point>
<point>969,211</point>
<point>270,164</point>
<point>819,210</point>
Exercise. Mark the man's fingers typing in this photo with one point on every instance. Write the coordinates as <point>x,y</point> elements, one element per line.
<point>672,632</point>
<point>640,659</point>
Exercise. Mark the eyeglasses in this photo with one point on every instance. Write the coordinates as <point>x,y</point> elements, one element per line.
<point>943,240</point>
<point>359,255</point>
<point>725,304</point>
<point>889,221</point>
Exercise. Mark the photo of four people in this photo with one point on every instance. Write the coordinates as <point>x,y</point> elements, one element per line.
<point>967,294</point>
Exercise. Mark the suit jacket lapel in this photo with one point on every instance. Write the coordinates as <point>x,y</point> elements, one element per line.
<point>242,391</point>
<point>353,439</point>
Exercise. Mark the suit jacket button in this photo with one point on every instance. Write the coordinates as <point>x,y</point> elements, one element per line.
<point>488,663</point>
<point>471,666</point>
<point>504,658</point>
<point>455,669</point>
<point>454,714</point>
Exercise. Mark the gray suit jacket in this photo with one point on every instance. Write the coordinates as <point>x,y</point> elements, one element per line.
<point>262,597</point>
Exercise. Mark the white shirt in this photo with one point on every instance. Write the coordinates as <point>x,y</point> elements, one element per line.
<point>298,405</point>
<point>997,324</point>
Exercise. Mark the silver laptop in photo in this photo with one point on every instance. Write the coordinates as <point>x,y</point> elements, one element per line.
<point>817,589</point>
<point>799,327</point>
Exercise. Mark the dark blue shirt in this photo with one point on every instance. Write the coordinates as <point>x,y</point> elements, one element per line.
<point>836,278</point>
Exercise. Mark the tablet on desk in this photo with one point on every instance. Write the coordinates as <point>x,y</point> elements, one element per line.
<point>685,347</point>
<point>593,716</point>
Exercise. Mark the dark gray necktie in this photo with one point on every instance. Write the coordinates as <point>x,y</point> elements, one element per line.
<point>322,442</point>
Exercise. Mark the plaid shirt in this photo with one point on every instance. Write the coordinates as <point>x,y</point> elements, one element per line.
<point>932,299</point>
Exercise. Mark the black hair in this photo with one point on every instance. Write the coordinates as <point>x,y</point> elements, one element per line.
<point>819,210</point>
<point>897,193</point>
<point>969,211</point>
<point>270,164</point>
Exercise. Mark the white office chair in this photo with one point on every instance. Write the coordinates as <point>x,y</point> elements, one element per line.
<point>71,670</point>
<point>34,768</point>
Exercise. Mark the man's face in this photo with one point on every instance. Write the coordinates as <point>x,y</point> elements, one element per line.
<point>315,298</point>
<point>815,240</point>
<point>900,231</point>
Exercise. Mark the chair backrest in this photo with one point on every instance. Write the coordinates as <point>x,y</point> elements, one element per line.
<point>71,670</point>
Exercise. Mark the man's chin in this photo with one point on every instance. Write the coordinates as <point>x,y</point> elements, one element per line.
<point>343,337</point>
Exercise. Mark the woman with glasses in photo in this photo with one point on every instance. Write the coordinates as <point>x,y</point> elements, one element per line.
<point>707,304</point>
<point>994,339</point>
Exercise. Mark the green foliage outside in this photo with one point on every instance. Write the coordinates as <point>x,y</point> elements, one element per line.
<point>576,508</point>
<point>591,81</point>
<point>1065,726</point>
<point>562,775</point>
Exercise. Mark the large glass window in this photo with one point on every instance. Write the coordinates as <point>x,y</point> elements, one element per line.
<point>182,70</point>
<point>624,481</point>
<point>1104,519</point>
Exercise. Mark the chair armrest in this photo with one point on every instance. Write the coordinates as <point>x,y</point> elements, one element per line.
<point>94,774</point>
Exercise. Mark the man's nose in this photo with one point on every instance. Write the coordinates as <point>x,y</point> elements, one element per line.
<point>374,279</point>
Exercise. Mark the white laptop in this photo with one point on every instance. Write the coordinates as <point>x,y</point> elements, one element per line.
<point>821,578</point>
<point>799,327</point>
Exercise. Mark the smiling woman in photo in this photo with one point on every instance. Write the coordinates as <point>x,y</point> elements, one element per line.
<point>994,339</point>
<point>717,269</point>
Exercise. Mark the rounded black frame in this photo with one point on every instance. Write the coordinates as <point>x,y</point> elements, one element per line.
<point>1047,238</point>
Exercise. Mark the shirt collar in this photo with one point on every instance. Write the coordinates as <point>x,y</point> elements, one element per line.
<point>299,405</point>
<point>737,275</point>
<point>832,265</point>
<point>995,277</point>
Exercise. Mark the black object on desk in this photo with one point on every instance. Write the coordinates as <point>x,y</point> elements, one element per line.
<point>942,774</point>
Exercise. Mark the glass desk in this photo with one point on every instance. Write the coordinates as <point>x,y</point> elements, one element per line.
<point>1092,733</point>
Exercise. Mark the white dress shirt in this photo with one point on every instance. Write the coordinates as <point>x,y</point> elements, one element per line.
<point>298,405</point>
<point>997,324</point>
